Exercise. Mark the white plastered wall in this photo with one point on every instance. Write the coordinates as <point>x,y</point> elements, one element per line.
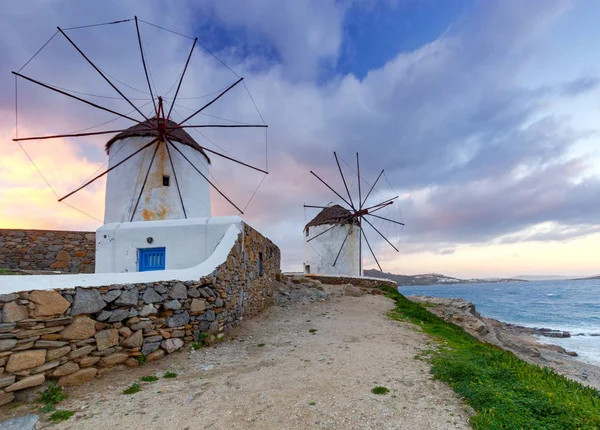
<point>158,202</point>
<point>187,242</point>
<point>320,253</point>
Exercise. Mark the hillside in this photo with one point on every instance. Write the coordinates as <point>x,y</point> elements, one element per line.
<point>433,279</point>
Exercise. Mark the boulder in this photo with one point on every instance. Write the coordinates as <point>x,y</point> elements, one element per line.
<point>81,328</point>
<point>79,377</point>
<point>87,301</point>
<point>25,360</point>
<point>26,422</point>
<point>48,303</point>
<point>353,291</point>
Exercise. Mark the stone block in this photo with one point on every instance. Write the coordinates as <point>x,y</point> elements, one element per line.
<point>197,306</point>
<point>82,327</point>
<point>66,369</point>
<point>156,355</point>
<point>178,291</point>
<point>148,310</point>
<point>12,312</point>
<point>87,301</point>
<point>88,361</point>
<point>179,319</point>
<point>6,398</point>
<point>113,359</point>
<point>128,298</point>
<point>7,380</point>
<point>63,256</point>
<point>118,315</point>
<point>25,360</point>
<point>107,338</point>
<point>28,382</point>
<point>7,344</point>
<point>81,352</point>
<point>133,341</point>
<point>171,345</point>
<point>150,296</point>
<point>174,305</point>
<point>48,303</point>
<point>53,354</point>
<point>79,377</point>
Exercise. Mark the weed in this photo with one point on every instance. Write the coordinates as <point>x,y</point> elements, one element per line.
<point>170,375</point>
<point>312,403</point>
<point>195,345</point>
<point>61,415</point>
<point>47,408</point>
<point>261,344</point>
<point>312,331</point>
<point>203,337</point>
<point>141,359</point>
<point>132,389</point>
<point>51,395</point>
<point>380,390</point>
<point>504,391</point>
<point>149,378</point>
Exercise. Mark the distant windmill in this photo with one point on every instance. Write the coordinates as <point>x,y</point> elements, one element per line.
<point>337,228</point>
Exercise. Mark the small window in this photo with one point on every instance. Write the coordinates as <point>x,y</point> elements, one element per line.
<point>307,268</point>
<point>166,179</point>
<point>260,268</point>
<point>307,231</point>
<point>151,259</point>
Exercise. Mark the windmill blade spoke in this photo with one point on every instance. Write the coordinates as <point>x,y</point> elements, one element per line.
<point>102,74</point>
<point>176,181</point>
<point>386,219</point>
<point>371,249</point>
<point>211,102</point>
<point>137,27</point>
<point>380,207</point>
<point>323,232</point>
<point>336,193</point>
<point>380,234</point>
<point>204,176</point>
<point>181,80</point>
<point>144,183</point>
<point>358,171</point>
<point>76,98</point>
<point>231,159</point>
<point>315,207</point>
<point>382,204</point>
<point>219,125</point>
<point>56,136</point>
<point>344,180</point>
<point>373,186</point>
<point>342,247</point>
<point>152,142</point>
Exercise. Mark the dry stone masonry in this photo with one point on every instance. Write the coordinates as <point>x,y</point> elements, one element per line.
<point>64,251</point>
<point>75,335</point>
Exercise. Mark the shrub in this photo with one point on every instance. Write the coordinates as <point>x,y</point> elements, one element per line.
<point>380,390</point>
<point>170,375</point>
<point>51,395</point>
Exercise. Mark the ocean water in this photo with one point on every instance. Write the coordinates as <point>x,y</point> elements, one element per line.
<point>573,306</point>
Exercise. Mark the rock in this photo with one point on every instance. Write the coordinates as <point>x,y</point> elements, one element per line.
<point>112,360</point>
<point>88,361</point>
<point>48,303</point>
<point>179,319</point>
<point>142,325</point>
<point>353,291</point>
<point>125,332</point>
<point>79,377</point>
<point>133,312</point>
<point>150,296</point>
<point>148,310</point>
<point>152,339</point>
<point>50,344</point>
<point>160,289</point>
<point>104,315</point>
<point>132,362</point>
<point>5,298</point>
<point>87,301</point>
<point>214,326</point>
<point>7,327</point>
<point>209,315</point>
<point>81,328</point>
<point>206,367</point>
<point>219,303</point>
<point>193,292</point>
<point>118,315</point>
<point>12,312</point>
<point>156,355</point>
<point>25,360</point>
<point>104,352</point>
<point>107,338</point>
<point>203,293</point>
<point>111,296</point>
<point>81,352</point>
<point>128,298</point>
<point>26,422</point>
<point>171,345</point>
<point>30,381</point>
<point>5,381</point>
<point>7,398</point>
<point>7,344</point>
<point>178,291</point>
<point>174,305</point>
<point>53,354</point>
<point>149,348</point>
<point>45,367</point>
<point>133,341</point>
<point>197,306</point>
<point>66,369</point>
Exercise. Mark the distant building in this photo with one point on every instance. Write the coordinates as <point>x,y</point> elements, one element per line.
<point>334,234</point>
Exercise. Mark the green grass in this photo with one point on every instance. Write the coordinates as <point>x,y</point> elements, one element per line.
<point>141,359</point>
<point>380,390</point>
<point>149,378</point>
<point>195,345</point>
<point>170,375</point>
<point>312,403</point>
<point>132,389</point>
<point>47,408</point>
<point>61,415</point>
<point>51,395</point>
<point>504,391</point>
<point>261,345</point>
<point>312,331</point>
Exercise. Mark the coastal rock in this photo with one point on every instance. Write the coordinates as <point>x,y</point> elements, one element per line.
<point>87,301</point>
<point>48,303</point>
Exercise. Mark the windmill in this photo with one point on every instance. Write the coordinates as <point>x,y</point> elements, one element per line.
<point>164,134</point>
<point>341,227</point>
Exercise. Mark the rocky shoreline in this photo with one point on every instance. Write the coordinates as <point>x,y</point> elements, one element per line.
<point>522,341</point>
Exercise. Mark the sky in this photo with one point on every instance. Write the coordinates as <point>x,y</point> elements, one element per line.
<point>482,113</point>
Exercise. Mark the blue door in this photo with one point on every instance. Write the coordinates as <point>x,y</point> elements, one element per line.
<point>151,259</point>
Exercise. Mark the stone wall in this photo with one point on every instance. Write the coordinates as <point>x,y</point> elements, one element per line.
<point>75,335</point>
<point>65,251</point>
<point>357,282</point>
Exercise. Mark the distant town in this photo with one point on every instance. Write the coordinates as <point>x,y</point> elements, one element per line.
<point>434,279</point>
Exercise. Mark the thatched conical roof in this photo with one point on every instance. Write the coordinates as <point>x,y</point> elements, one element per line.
<point>144,130</point>
<point>334,214</point>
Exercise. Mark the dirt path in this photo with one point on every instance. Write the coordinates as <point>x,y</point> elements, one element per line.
<point>297,380</point>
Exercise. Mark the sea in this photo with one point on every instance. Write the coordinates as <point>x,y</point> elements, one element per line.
<point>569,305</point>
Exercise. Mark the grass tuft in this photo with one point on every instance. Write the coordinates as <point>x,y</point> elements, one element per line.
<point>141,359</point>
<point>149,378</point>
<point>504,391</point>
<point>261,345</point>
<point>47,408</point>
<point>132,389</point>
<point>380,390</point>
<point>51,395</point>
<point>61,415</point>
<point>312,403</point>
<point>312,331</point>
<point>170,375</point>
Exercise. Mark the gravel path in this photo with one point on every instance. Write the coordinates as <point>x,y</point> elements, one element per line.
<point>297,380</point>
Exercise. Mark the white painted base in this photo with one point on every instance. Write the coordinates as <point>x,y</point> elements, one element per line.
<point>320,253</point>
